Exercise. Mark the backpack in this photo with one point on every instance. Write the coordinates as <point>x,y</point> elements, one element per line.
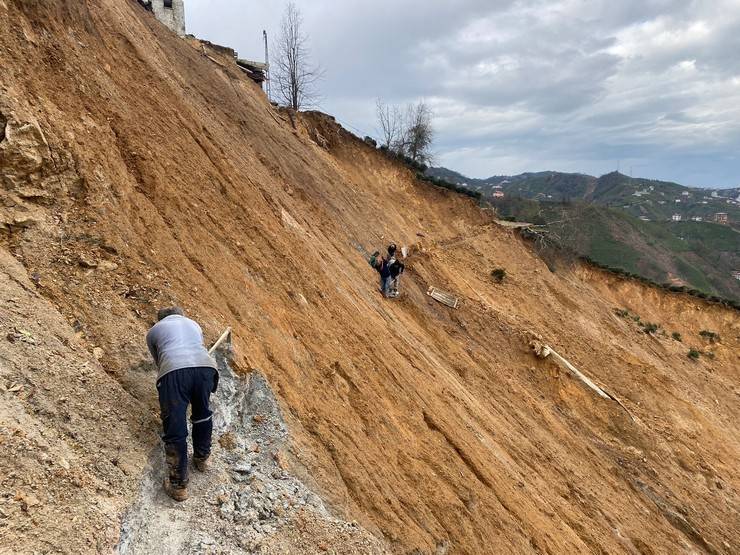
<point>376,261</point>
<point>396,268</point>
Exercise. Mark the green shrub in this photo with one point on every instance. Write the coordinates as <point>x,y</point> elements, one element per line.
<point>498,275</point>
<point>650,328</point>
<point>676,336</point>
<point>693,354</point>
<point>621,312</point>
<point>710,335</point>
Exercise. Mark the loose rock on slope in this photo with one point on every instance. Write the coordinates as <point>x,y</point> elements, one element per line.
<point>247,502</point>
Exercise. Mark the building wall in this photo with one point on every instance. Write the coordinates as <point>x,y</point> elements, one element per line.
<point>173,17</point>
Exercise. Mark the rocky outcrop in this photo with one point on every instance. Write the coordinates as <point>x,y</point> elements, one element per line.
<point>248,501</point>
<point>24,154</point>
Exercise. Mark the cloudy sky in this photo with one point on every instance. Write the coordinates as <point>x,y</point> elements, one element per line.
<point>651,86</point>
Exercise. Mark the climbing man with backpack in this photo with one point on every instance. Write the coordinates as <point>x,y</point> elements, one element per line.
<point>389,269</point>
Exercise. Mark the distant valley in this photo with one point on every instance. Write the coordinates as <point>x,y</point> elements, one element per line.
<point>664,231</point>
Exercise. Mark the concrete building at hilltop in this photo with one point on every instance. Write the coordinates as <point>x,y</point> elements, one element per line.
<point>169,12</point>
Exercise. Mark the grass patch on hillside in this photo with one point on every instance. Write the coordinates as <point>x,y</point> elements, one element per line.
<point>498,275</point>
<point>693,276</point>
<point>710,335</point>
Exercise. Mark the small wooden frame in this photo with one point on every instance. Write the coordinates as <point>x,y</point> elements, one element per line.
<point>443,297</point>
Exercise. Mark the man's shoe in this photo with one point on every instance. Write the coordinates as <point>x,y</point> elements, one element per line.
<point>200,463</point>
<point>176,493</point>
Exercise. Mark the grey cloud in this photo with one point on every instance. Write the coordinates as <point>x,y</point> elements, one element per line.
<point>519,85</point>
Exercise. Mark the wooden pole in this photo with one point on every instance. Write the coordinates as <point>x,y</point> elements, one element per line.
<point>219,341</point>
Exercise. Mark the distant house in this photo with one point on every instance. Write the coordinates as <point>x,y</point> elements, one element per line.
<point>685,193</point>
<point>721,218</point>
<point>696,218</point>
<point>714,194</point>
<point>736,274</point>
<point>498,194</point>
<point>170,12</point>
<point>676,217</point>
<point>644,218</point>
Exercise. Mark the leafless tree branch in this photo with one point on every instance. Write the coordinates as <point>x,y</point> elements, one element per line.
<point>408,134</point>
<point>390,121</point>
<point>294,77</point>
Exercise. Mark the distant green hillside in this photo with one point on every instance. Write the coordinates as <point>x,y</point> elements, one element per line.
<point>697,254</point>
<point>642,198</point>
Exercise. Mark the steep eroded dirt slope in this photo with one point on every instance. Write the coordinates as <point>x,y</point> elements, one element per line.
<point>139,172</point>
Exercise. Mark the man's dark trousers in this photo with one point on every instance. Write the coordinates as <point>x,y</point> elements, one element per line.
<point>177,390</point>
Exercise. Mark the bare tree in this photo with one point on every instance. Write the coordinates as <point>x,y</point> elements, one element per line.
<point>410,134</point>
<point>390,121</point>
<point>418,133</point>
<point>295,76</point>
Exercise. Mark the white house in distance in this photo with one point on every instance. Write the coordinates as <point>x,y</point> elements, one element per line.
<point>169,12</point>
<point>676,217</point>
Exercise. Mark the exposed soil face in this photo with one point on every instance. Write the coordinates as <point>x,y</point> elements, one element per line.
<point>144,173</point>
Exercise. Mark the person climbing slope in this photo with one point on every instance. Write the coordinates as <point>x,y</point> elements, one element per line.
<point>187,376</point>
<point>396,269</point>
<point>389,269</point>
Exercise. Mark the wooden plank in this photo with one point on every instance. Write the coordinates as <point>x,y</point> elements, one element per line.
<point>544,351</point>
<point>220,340</point>
<point>443,297</point>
